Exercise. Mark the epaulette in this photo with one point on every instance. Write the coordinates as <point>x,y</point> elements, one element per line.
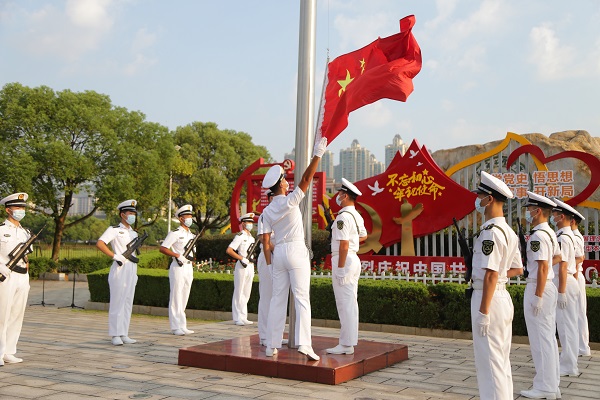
<point>491,226</point>
<point>115,226</point>
<point>240,234</point>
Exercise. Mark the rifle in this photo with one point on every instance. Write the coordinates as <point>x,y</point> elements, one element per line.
<point>190,246</point>
<point>467,253</point>
<point>329,218</point>
<point>19,253</point>
<point>250,255</point>
<point>523,248</point>
<point>133,248</point>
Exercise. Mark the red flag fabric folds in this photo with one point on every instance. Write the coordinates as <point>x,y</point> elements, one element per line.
<point>382,69</point>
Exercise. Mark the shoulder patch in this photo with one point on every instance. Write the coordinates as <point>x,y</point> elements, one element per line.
<point>535,245</point>
<point>240,234</point>
<point>487,247</point>
<point>340,225</point>
<point>115,226</point>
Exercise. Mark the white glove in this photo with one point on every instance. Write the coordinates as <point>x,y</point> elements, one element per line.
<point>119,259</point>
<point>537,305</point>
<point>562,301</point>
<point>182,260</point>
<point>341,276</point>
<point>320,148</point>
<point>483,322</point>
<point>4,270</point>
<point>245,261</point>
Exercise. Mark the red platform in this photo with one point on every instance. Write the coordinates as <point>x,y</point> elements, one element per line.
<point>246,355</point>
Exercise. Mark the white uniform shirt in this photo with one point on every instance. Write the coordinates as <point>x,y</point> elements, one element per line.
<point>11,236</point>
<point>241,242</point>
<point>567,249</point>
<point>119,237</point>
<point>349,225</point>
<point>283,217</point>
<point>260,227</point>
<point>495,250</point>
<point>579,247</point>
<point>541,246</point>
<point>177,240</point>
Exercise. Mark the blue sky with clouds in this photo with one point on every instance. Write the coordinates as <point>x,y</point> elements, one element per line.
<point>489,66</point>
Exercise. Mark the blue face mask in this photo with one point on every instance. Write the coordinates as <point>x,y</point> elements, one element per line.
<point>480,209</point>
<point>553,220</point>
<point>131,219</point>
<point>528,216</point>
<point>18,215</point>
<point>187,222</point>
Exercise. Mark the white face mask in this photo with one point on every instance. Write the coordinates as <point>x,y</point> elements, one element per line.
<point>249,226</point>
<point>130,219</point>
<point>187,222</point>
<point>18,215</point>
<point>338,200</point>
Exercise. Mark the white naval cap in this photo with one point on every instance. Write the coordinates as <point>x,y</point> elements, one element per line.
<point>273,176</point>
<point>247,217</point>
<point>15,200</point>
<point>348,186</point>
<point>184,210</point>
<point>578,217</point>
<point>534,199</point>
<point>128,205</point>
<point>564,208</point>
<point>493,186</point>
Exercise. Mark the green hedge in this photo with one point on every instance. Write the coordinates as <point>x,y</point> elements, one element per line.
<point>440,306</point>
<point>214,247</point>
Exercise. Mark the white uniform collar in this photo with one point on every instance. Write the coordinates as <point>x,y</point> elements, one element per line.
<point>542,225</point>
<point>124,227</point>
<point>347,208</point>
<point>494,220</point>
<point>11,224</point>
<point>565,229</point>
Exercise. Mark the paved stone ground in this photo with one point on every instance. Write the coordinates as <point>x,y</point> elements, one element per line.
<point>68,356</point>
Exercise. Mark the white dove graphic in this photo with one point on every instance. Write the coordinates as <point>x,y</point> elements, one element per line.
<point>376,189</point>
<point>413,153</point>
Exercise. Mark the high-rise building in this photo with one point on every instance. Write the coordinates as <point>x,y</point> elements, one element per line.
<point>397,145</point>
<point>357,163</point>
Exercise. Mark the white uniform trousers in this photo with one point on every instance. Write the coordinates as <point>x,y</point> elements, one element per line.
<point>568,331</point>
<point>265,290</point>
<point>242,287</point>
<point>541,330</point>
<point>121,281</point>
<point>346,297</point>
<point>582,320</point>
<point>291,266</point>
<point>13,301</point>
<point>492,362</point>
<point>180,283</point>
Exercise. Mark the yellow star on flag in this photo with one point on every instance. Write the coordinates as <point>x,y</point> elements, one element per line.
<point>362,66</point>
<point>345,83</point>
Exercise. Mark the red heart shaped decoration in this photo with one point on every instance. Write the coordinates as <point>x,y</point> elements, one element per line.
<point>590,160</point>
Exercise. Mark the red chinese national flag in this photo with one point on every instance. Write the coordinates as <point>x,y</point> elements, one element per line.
<point>383,69</point>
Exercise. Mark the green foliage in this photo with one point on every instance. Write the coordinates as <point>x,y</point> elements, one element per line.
<point>593,313</point>
<point>453,307</point>
<point>211,161</point>
<point>39,265</point>
<point>83,265</point>
<point>153,260</point>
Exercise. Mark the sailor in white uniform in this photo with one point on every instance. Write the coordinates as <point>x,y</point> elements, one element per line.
<point>347,230</point>
<point>290,260</point>
<point>181,270</point>
<point>582,320</point>
<point>121,278</point>
<point>539,300</point>
<point>15,288</point>
<point>496,258</point>
<point>244,271</point>
<point>265,281</point>
<point>567,310</point>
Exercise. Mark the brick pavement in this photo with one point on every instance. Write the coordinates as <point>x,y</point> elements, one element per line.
<point>68,355</point>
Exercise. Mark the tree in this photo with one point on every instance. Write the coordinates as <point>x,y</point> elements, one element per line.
<point>71,141</point>
<point>209,163</point>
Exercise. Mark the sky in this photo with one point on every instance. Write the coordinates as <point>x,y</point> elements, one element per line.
<point>489,66</point>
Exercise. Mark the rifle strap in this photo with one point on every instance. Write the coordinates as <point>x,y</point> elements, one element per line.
<point>547,233</point>
<point>354,218</point>
<point>487,228</point>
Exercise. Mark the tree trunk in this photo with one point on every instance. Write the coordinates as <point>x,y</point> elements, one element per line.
<point>58,234</point>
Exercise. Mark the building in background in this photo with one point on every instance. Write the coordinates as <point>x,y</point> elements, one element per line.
<point>397,145</point>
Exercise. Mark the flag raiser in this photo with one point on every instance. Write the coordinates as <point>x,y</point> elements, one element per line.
<point>382,69</point>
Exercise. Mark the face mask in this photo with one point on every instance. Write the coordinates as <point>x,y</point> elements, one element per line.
<point>478,206</point>
<point>249,226</point>
<point>131,219</point>
<point>18,215</point>
<point>553,220</point>
<point>187,222</point>
<point>338,200</point>
<point>528,216</point>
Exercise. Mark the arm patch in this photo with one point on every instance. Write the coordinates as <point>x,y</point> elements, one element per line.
<point>487,246</point>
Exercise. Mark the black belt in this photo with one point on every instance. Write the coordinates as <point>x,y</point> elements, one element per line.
<point>19,270</point>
